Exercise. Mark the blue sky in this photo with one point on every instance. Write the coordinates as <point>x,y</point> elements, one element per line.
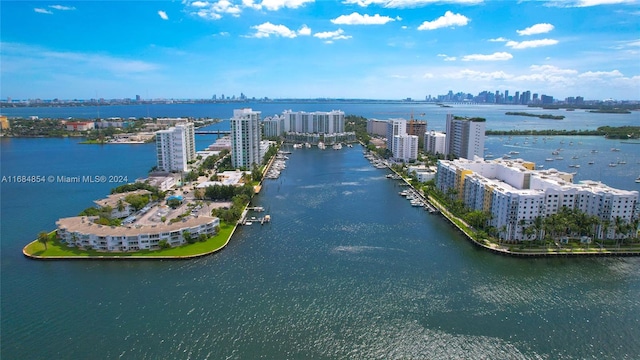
<point>378,49</point>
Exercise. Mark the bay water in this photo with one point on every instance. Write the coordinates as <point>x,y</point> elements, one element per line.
<point>347,269</point>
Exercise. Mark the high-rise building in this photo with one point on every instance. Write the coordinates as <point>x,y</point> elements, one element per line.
<point>377,127</point>
<point>434,142</point>
<point>317,122</point>
<point>273,126</point>
<point>465,137</point>
<point>395,127</point>
<point>405,147</point>
<point>545,99</point>
<point>175,147</point>
<point>245,138</point>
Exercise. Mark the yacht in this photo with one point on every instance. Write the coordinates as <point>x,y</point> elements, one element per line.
<point>638,179</point>
<point>337,146</point>
<point>613,164</point>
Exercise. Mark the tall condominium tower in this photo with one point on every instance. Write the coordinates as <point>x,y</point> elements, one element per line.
<point>175,147</point>
<point>434,142</point>
<point>465,137</point>
<point>317,122</point>
<point>395,127</point>
<point>245,138</point>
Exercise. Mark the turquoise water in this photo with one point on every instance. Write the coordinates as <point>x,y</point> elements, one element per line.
<point>346,269</point>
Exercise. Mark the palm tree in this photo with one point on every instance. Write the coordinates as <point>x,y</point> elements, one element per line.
<point>618,226</point>
<point>43,237</point>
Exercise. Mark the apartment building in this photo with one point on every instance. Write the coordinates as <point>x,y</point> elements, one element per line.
<point>516,194</point>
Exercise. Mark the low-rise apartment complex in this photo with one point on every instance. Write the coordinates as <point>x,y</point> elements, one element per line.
<point>81,231</point>
<point>515,194</point>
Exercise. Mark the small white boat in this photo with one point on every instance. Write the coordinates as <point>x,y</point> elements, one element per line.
<point>638,179</point>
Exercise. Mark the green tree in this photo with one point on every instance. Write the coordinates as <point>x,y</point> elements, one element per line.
<point>188,238</point>
<point>43,238</point>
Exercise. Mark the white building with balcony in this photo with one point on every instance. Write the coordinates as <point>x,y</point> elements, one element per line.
<point>515,194</point>
<point>246,135</point>
<point>175,147</point>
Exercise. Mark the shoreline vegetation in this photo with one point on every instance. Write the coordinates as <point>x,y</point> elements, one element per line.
<point>609,132</point>
<point>541,116</point>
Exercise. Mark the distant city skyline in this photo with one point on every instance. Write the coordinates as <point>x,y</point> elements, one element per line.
<point>352,49</point>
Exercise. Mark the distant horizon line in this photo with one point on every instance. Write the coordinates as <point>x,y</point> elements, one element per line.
<point>10,100</point>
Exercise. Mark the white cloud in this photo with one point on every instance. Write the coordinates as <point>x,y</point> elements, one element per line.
<point>408,3</point>
<point>62,7</point>
<point>332,35</point>
<point>215,10</point>
<point>478,75</point>
<point>601,74</point>
<point>163,15</point>
<point>586,3</point>
<point>447,58</point>
<point>427,76</point>
<point>226,7</point>
<point>304,31</point>
<point>449,19</point>
<point>541,28</point>
<point>357,19</point>
<point>552,70</point>
<point>531,43</point>
<point>267,29</point>
<point>498,56</point>
<point>274,5</point>
<point>199,4</point>
<point>42,11</point>
<point>500,39</point>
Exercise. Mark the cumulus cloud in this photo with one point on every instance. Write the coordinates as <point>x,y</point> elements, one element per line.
<point>407,3</point>
<point>200,4</point>
<point>541,28</point>
<point>214,10</point>
<point>163,15</point>
<point>330,36</point>
<point>267,29</point>
<point>357,19</point>
<point>275,5</point>
<point>498,56</point>
<point>531,43</point>
<point>500,39</point>
<point>304,31</point>
<point>43,11</point>
<point>449,19</point>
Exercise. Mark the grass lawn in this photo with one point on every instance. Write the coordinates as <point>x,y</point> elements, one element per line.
<point>57,249</point>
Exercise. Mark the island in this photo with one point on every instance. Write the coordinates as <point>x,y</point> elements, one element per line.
<point>541,116</point>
